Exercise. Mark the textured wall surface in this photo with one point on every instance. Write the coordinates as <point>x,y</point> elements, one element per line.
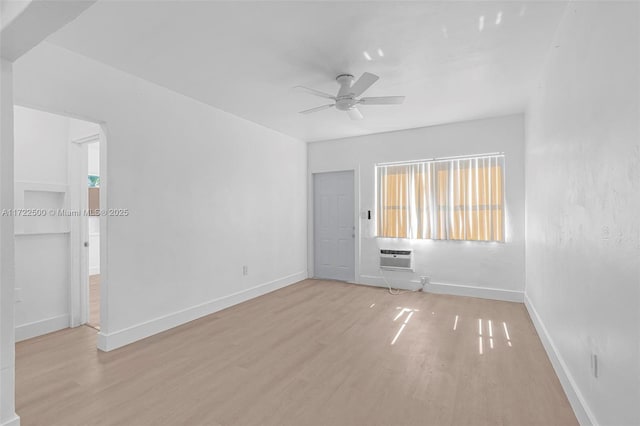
<point>583,199</point>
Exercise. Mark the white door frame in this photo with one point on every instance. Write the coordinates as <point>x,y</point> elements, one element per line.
<point>79,285</point>
<point>311,218</point>
<point>78,200</point>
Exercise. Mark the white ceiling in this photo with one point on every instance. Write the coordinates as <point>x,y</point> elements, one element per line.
<point>245,57</point>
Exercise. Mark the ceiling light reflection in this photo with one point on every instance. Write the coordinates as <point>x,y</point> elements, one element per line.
<point>366,55</point>
<point>393,342</point>
<point>400,314</point>
<point>506,331</point>
<point>408,317</point>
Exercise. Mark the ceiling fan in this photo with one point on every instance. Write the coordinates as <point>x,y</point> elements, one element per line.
<point>348,99</point>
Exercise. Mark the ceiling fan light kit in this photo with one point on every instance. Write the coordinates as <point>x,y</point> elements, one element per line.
<point>348,97</point>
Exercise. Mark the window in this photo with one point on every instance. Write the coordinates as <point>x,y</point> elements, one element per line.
<point>449,199</point>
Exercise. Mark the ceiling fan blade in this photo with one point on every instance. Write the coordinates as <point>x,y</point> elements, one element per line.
<point>364,82</point>
<point>320,108</point>
<point>355,114</point>
<point>315,92</point>
<point>382,100</point>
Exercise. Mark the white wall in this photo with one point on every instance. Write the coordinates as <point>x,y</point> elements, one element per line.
<point>207,192</point>
<point>9,10</point>
<point>7,330</point>
<point>82,129</point>
<point>41,141</point>
<point>474,268</point>
<point>42,243</point>
<point>583,199</point>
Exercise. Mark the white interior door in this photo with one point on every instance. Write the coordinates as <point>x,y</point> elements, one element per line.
<point>78,200</point>
<point>81,231</point>
<point>334,228</point>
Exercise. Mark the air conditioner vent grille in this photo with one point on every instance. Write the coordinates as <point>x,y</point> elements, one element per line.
<point>396,259</point>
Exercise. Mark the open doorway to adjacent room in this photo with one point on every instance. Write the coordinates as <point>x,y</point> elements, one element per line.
<point>57,250</point>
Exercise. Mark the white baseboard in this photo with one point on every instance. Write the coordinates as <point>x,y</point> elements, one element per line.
<point>38,328</point>
<point>441,288</point>
<point>15,421</point>
<point>580,407</point>
<point>117,339</point>
<point>8,416</point>
<point>394,282</point>
<point>472,291</point>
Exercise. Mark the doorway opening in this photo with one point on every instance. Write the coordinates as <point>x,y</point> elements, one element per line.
<point>57,184</point>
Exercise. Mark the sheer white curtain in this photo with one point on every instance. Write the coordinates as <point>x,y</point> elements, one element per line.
<point>458,199</point>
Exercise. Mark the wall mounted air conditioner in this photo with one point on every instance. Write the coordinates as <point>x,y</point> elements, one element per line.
<point>397,260</point>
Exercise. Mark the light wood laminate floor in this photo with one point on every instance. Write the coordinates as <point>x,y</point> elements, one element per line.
<point>314,353</point>
<point>94,301</point>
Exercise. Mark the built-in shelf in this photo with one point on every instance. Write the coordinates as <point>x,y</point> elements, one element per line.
<point>45,197</point>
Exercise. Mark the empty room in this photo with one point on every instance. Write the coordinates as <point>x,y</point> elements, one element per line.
<point>315,213</point>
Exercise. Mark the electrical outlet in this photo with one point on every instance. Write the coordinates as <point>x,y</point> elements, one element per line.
<point>245,270</point>
<point>425,280</point>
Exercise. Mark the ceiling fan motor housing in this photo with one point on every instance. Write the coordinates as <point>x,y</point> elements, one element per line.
<point>345,102</point>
